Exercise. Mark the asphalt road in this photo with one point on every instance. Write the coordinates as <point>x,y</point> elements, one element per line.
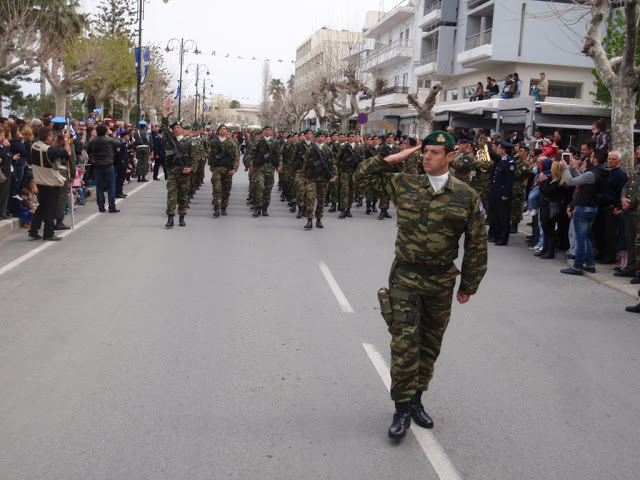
<point>219,350</point>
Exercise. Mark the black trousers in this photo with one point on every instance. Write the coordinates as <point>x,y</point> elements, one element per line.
<point>499,217</point>
<point>121,173</point>
<point>156,168</point>
<point>46,211</point>
<point>605,234</point>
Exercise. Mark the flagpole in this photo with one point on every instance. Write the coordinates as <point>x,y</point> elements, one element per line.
<point>140,61</point>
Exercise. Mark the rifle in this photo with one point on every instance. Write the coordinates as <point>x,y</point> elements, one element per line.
<point>271,156</point>
<point>321,161</point>
<point>177,154</point>
<point>353,159</point>
<point>224,156</point>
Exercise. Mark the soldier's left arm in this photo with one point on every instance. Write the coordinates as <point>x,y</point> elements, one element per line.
<point>474,262</point>
<point>236,156</point>
<point>278,152</point>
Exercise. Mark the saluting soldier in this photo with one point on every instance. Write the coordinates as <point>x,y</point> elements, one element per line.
<point>319,171</point>
<point>224,159</point>
<point>349,157</point>
<point>434,210</point>
<point>265,158</point>
<point>462,163</point>
<point>180,164</point>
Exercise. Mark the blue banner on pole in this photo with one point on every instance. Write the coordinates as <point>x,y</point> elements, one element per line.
<point>146,60</point>
<point>177,91</point>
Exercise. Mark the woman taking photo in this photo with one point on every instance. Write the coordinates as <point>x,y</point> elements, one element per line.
<point>556,194</point>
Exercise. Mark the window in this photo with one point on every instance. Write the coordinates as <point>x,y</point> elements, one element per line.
<point>424,83</point>
<point>561,89</point>
<point>401,36</point>
<point>451,95</point>
<point>390,37</point>
<point>396,81</point>
<point>405,79</point>
<point>467,92</point>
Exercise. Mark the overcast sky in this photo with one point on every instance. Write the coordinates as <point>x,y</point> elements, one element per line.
<point>247,29</point>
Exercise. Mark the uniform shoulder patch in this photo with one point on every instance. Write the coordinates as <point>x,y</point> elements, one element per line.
<point>512,168</point>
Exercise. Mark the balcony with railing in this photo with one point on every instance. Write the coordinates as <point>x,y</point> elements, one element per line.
<point>477,48</point>
<point>387,55</point>
<point>427,64</point>
<point>387,91</point>
<point>432,14</point>
<point>397,15</point>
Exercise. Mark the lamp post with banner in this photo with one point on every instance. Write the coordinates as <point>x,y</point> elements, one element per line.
<point>183,46</point>
<point>197,68</point>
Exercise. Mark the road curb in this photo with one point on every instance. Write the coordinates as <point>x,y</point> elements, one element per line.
<point>8,226</point>
<point>611,282</point>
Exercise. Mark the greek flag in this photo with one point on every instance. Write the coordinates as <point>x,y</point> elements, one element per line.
<point>146,60</point>
<point>177,91</point>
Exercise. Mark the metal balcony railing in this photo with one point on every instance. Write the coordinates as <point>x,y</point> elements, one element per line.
<point>429,57</point>
<point>482,38</point>
<point>430,8</point>
<point>392,48</point>
<point>387,91</point>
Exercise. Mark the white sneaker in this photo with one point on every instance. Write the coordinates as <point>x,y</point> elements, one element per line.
<point>533,213</point>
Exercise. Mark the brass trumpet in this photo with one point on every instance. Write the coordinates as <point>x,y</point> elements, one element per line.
<point>483,152</point>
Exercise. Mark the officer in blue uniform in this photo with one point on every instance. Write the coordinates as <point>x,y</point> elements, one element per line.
<point>501,194</point>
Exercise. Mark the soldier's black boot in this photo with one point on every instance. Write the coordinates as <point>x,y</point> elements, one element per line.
<point>181,221</point>
<point>381,215</point>
<point>216,211</point>
<point>386,213</point>
<point>514,227</point>
<point>401,421</point>
<point>348,212</point>
<point>223,211</point>
<point>359,204</point>
<point>368,207</point>
<point>333,208</point>
<point>309,224</point>
<point>169,222</point>
<point>257,212</point>
<point>264,212</point>
<point>416,409</point>
<point>343,214</point>
<point>373,207</point>
<point>300,212</point>
<point>319,223</point>
<point>293,207</point>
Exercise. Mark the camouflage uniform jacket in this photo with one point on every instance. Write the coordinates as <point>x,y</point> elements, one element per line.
<point>413,164</point>
<point>265,152</point>
<point>631,190</point>
<point>184,145</point>
<point>198,148</point>
<point>430,224</point>
<point>246,159</point>
<point>462,165</point>
<point>349,157</point>
<point>298,152</point>
<point>520,174</point>
<point>224,154</point>
<point>312,167</point>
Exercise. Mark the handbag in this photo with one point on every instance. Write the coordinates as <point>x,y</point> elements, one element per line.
<point>555,209</point>
<point>42,175</point>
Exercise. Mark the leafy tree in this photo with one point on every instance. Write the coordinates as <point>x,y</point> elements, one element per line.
<point>116,18</point>
<point>34,106</point>
<point>234,104</point>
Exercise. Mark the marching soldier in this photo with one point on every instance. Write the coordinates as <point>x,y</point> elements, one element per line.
<point>297,166</point>
<point>349,157</point>
<point>265,158</point>
<point>224,159</point>
<point>180,164</point>
<point>385,149</point>
<point>371,150</point>
<point>319,171</point>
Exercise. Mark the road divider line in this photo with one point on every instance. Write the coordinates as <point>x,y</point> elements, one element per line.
<point>335,288</point>
<point>20,260</point>
<point>427,440</point>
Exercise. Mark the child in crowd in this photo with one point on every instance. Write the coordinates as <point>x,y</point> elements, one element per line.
<point>20,208</point>
<point>79,189</point>
<point>33,196</point>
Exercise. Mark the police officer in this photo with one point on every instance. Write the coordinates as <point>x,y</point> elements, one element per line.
<point>501,195</point>
<point>434,210</point>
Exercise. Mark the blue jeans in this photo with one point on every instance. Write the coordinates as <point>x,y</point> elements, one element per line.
<point>534,199</point>
<point>583,218</point>
<point>105,175</point>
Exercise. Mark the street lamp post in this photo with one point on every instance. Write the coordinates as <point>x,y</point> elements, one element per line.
<point>140,57</point>
<point>197,67</point>
<point>204,95</point>
<point>183,46</point>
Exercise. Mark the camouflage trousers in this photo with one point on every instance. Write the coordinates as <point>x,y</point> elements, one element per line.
<point>287,182</point>
<point>421,305</point>
<point>264,180</point>
<point>347,188</point>
<point>516,205</point>
<point>177,191</point>
<point>299,188</point>
<point>384,200</point>
<point>334,192</point>
<point>371,194</point>
<point>221,185</point>
<point>316,191</point>
<point>482,187</point>
<point>142,167</point>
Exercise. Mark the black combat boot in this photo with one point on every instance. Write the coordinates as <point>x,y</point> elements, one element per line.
<point>264,212</point>
<point>216,211</point>
<point>300,212</point>
<point>386,213</point>
<point>249,201</point>
<point>319,223</point>
<point>293,207</point>
<point>333,208</point>
<point>373,207</point>
<point>309,224</point>
<point>401,421</point>
<point>223,211</point>
<point>359,203</point>
<point>343,214</point>
<point>181,221</point>
<point>169,222</point>
<point>257,212</point>
<point>381,215</point>
<point>417,412</point>
<point>348,212</point>
<point>368,207</point>
<point>144,179</point>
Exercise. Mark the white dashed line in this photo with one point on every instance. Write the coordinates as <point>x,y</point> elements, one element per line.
<point>335,288</point>
<point>427,440</point>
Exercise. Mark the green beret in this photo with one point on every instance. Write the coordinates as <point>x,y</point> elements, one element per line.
<point>387,135</point>
<point>306,130</point>
<point>333,133</point>
<point>439,138</point>
<point>267,126</point>
<point>351,133</point>
<point>176,124</point>
<point>259,131</point>
<point>340,133</point>
<point>187,127</point>
<point>373,136</point>
<point>220,126</point>
<point>318,133</point>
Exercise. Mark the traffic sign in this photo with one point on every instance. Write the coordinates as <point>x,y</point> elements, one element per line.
<point>363,118</point>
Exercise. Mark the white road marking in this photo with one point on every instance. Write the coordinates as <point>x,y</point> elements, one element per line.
<point>20,260</point>
<point>335,288</point>
<point>427,440</point>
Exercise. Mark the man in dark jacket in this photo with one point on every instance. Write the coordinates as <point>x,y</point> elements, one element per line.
<point>121,160</point>
<point>101,148</point>
<point>159,151</point>
<point>501,195</point>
